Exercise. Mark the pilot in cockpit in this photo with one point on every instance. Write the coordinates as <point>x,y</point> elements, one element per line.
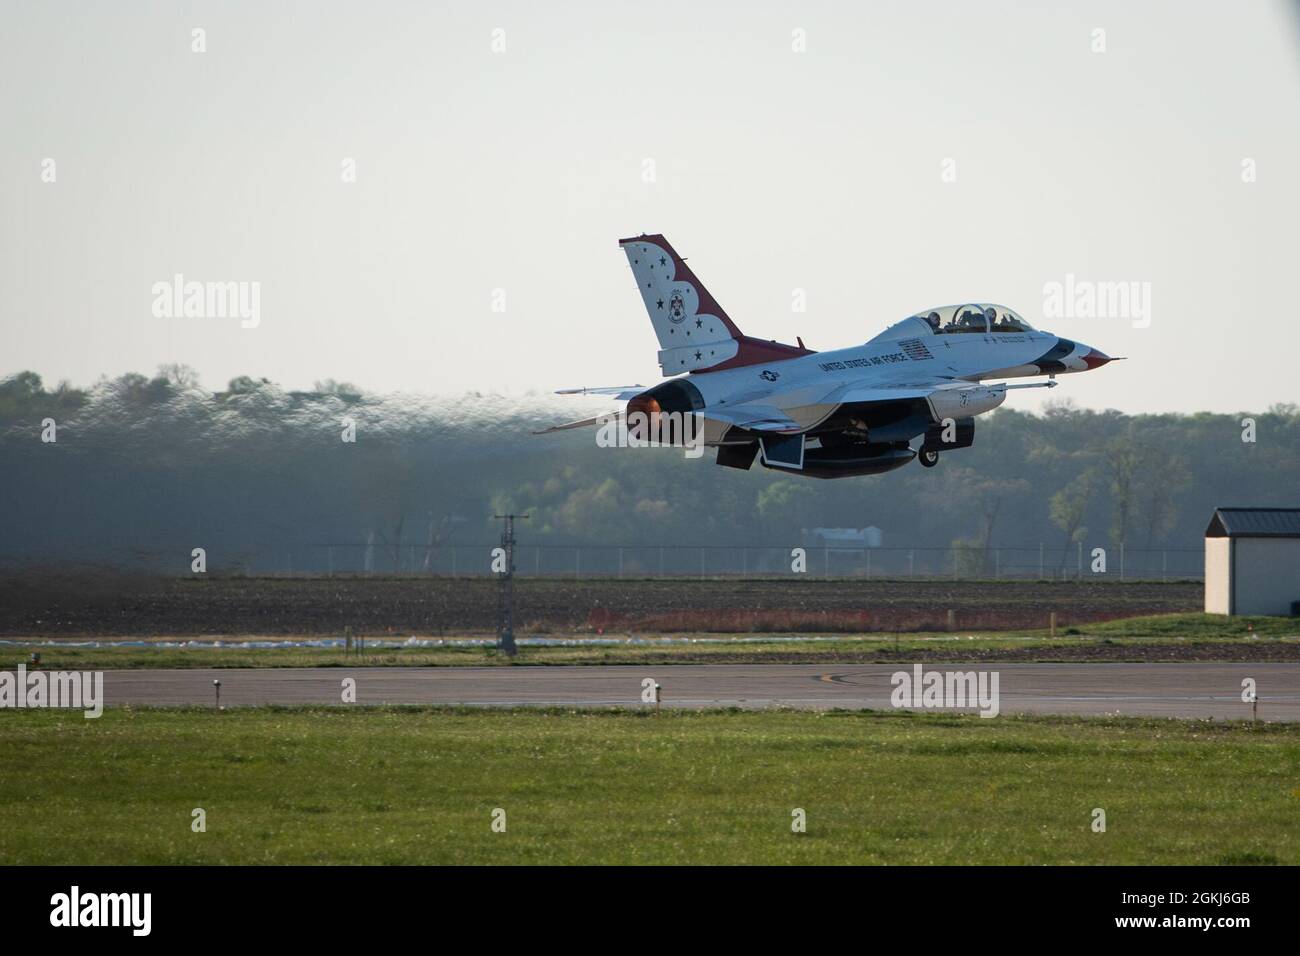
<point>933,320</point>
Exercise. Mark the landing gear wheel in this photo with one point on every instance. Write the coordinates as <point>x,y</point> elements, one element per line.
<point>928,458</point>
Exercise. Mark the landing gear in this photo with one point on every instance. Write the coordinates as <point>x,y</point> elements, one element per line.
<point>928,458</point>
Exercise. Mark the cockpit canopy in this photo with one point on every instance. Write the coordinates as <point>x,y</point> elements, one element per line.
<point>982,317</point>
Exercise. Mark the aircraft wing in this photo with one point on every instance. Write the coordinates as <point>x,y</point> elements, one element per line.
<point>759,418</point>
<point>942,388</point>
<point>756,416</point>
<point>864,392</point>
<point>946,397</point>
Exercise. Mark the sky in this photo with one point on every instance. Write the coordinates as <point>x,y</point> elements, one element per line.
<point>880,157</point>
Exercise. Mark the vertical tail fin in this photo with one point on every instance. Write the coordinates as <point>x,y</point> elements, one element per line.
<point>695,334</point>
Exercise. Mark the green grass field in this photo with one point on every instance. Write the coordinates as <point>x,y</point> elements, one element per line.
<point>415,785</point>
<point>1156,637</point>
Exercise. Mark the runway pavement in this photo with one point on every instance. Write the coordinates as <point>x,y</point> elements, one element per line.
<point>1164,690</point>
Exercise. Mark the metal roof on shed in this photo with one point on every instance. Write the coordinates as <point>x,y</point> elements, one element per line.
<point>1254,523</point>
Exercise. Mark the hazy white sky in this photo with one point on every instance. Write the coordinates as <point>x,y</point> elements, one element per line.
<point>519,170</point>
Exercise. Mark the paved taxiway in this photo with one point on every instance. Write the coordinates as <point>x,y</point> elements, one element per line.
<point>1162,690</point>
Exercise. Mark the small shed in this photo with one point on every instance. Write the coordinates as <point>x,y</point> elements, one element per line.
<point>1252,561</point>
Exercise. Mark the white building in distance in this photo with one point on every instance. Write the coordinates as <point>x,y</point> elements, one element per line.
<point>848,539</point>
<point>1252,561</point>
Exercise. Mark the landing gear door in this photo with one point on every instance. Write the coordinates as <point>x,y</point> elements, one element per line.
<point>783,451</point>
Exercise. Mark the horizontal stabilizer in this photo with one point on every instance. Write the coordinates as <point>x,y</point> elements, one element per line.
<point>598,420</point>
<point>759,418</point>
<point>620,392</point>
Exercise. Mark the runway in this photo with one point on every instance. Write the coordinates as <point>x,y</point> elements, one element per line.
<point>1160,690</point>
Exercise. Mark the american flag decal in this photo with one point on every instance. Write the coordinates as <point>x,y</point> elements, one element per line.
<point>915,349</point>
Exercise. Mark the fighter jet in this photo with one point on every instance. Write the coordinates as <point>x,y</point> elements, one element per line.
<point>912,391</point>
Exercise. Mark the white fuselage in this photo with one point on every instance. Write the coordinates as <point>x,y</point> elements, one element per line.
<point>800,386</point>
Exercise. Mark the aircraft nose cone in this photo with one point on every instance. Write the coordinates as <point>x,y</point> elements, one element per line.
<point>1095,359</point>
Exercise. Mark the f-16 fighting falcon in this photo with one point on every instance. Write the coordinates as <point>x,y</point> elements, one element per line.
<point>911,392</point>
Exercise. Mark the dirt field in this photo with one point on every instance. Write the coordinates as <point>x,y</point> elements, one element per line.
<point>85,603</point>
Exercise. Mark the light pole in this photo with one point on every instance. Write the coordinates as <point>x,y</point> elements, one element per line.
<point>506,588</point>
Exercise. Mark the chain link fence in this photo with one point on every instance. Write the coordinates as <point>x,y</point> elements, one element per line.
<point>1019,562</point>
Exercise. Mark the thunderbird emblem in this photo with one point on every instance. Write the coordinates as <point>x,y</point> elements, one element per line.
<point>676,307</point>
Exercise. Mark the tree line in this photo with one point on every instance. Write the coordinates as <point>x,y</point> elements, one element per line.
<point>138,469</point>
